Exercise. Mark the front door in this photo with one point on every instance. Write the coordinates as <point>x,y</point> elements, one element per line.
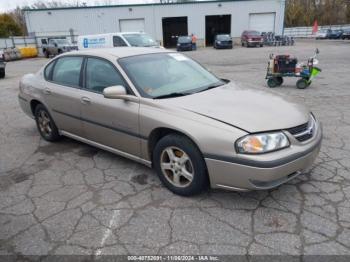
<point>110,122</point>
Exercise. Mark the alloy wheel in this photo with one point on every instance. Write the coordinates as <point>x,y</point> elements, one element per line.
<point>44,123</point>
<point>176,166</point>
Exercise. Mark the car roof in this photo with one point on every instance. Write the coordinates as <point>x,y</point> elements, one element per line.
<point>112,34</point>
<point>119,52</point>
<point>131,33</point>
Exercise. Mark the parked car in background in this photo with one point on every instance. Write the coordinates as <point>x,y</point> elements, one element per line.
<point>163,109</point>
<point>2,65</point>
<point>336,34</point>
<point>252,38</point>
<point>223,41</point>
<point>346,34</point>
<point>323,34</point>
<point>280,40</point>
<point>57,46</point>
<point>184,43</point>
<point>136,39</point>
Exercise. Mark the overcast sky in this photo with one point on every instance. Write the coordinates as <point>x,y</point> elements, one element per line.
<point>6,5</point>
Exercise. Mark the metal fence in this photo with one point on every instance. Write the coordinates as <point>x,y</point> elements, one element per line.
<point>307,31</point>
<point>17,42</point>
<point>35,39</point>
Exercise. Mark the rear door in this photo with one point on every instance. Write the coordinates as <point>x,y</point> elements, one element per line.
<point>110,122</point>
<point>62,92</point>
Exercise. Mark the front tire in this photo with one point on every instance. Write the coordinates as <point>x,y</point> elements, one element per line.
<point>180,165</point>
<point>302,83</point>
<point>45,124</point>
<point>2,73</point>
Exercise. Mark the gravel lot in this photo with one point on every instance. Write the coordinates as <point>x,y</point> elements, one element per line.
<point>70,198</point>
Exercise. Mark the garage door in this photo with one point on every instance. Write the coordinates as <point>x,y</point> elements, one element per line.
<point>264,22</point>
<point>132,25</point>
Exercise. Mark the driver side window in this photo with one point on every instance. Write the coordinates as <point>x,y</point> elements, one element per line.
<point>118,41</point>
<point>101,74</point>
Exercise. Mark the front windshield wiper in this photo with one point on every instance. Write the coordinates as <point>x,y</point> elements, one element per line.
<point>211,87</point>
<point>175,94</point>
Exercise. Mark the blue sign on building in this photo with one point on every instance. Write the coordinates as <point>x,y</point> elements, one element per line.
<point>86,43</point>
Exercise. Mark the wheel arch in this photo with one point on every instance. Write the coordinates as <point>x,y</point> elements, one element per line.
<point>160,132</point>
<point>33,104</point>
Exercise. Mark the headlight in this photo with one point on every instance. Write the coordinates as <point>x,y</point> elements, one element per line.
<point>219,42</point>
<point>262,143</point>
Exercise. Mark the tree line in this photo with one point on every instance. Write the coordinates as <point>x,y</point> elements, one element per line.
<point>326,12</point>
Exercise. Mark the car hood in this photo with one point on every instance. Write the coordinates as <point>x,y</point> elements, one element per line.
<point>249,109</point>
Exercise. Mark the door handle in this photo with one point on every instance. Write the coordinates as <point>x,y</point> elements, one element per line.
<point>85,100</point>
<point>47,91</point>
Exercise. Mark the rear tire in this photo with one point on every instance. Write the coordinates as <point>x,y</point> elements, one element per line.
<point>272,82</point>
<point>45,124</point>
<point>2,73</point>
<point>180,165</point>
<point>47,54</point>
<point>279,80</point>
<point>302,84</point>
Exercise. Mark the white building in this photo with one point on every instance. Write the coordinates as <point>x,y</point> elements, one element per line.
<point>162,21</point>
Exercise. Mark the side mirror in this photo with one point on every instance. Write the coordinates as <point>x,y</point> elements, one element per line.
<point>114,92</point>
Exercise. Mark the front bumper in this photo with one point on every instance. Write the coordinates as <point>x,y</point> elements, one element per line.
<point>257,173</point>
<point>255,42</point>
<point>223,45</point>
<point>184,47</point>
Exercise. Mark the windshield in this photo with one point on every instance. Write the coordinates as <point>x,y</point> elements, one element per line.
<point>140,40</point>
<point>184,39</point>
<point>223,37</point>
<point>62,41</point>
<point>166,73</point>
<point>255,33</point>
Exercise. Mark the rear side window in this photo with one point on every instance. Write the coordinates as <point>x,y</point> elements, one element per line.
<point>47,71</point>
<point>101,74</point>
<point>67,71</point>
<point>118,41</point>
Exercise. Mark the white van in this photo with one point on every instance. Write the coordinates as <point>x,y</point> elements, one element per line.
<point>116,40</point>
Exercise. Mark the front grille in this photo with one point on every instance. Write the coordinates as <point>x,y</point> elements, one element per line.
<point>303,132</point>
<point>298,129</point>
<point>304,137</point>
